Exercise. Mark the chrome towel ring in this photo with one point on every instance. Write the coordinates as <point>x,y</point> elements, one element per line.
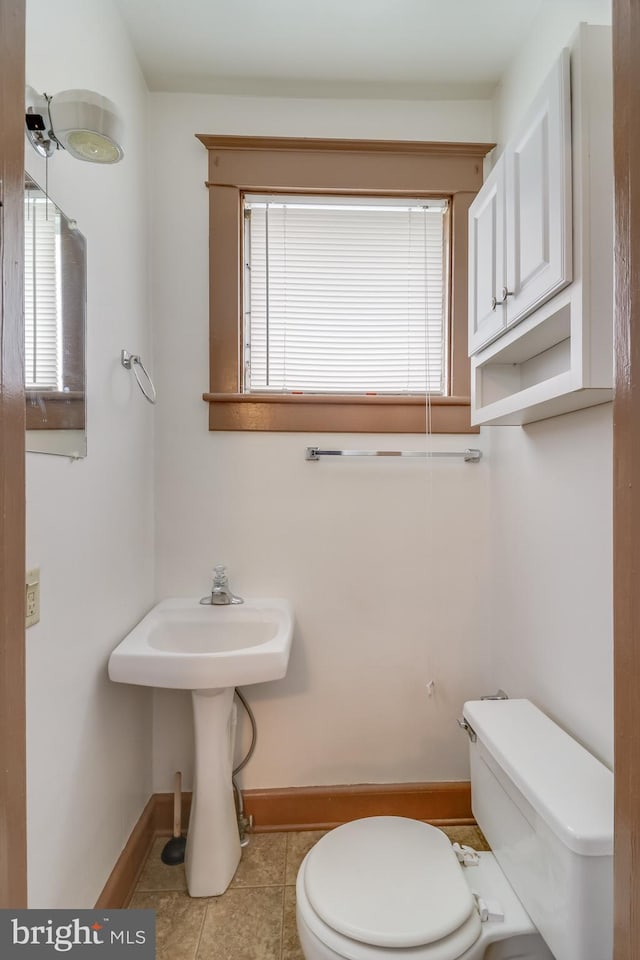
<point>131,361</point>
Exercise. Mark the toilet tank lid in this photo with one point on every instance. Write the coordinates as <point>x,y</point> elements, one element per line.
<point>567,786</point>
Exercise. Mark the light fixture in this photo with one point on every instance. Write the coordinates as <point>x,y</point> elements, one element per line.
<point>81,122</point>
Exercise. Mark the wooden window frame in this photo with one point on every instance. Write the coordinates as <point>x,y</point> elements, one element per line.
<point>239,165</point>
<point>64,411</point>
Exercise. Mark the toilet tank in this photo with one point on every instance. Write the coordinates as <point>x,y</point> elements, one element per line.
<point>545,805</point>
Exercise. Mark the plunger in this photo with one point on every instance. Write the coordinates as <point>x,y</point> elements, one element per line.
<point>173,850</point>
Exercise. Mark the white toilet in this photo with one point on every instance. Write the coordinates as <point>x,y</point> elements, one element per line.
<point>390,888</point>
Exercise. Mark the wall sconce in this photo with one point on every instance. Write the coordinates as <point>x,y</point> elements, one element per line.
<point>81,122</point>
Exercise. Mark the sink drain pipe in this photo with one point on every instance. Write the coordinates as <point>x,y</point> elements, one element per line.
<point>244,823</point>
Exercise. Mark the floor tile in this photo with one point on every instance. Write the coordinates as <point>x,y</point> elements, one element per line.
<point>469,836</point>
<point>263,860</point>
<point>243,924</point>
<point>156,875</point>
<point>291,949</point>
<point>179,920</point>
<point>298,845</point>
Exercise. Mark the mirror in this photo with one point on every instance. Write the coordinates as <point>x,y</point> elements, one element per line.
<point>55,312</point>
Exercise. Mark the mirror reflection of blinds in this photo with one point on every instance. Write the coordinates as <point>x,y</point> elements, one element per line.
<point>42,292</point>
<point>344,295</point>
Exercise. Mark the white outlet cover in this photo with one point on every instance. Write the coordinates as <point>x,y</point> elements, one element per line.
<point>32,596</point>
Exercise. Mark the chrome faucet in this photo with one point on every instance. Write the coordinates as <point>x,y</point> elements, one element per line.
<point>220,592</point>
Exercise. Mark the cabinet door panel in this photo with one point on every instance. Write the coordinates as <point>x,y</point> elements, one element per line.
<point>531,176</point>
<point>538,199</point>
<point>486,261</point>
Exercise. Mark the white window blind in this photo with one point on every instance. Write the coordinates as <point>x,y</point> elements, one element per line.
<point>42,292</point>
<point>345,295</point>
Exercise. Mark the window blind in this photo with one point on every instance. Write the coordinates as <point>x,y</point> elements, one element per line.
<point>344,295</point>
<point>43,366</point>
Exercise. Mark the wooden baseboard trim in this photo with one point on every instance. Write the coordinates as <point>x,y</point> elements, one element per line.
<point>315,808</point>
<point>321,808</point>
<point>292,808</point>
<point>119,887</point>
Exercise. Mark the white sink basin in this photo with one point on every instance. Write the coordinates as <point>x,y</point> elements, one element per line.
<point>191,646</point>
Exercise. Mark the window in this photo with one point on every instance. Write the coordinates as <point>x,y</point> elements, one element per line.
<point>344,295</point>
<point>292,346</point>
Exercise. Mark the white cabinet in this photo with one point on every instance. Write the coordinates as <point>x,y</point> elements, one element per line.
<point>546,347</point>
<point>487,260</point>
<point>520,222</point>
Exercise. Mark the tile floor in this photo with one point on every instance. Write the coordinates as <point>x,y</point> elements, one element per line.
<point>255,919</point>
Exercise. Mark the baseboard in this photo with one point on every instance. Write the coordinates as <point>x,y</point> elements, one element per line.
<point>321,808</point>
<point>315,808</point>
<point>293,808</point>
<point>119,887</point>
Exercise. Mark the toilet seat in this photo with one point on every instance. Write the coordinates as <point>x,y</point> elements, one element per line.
<point>389,883</point>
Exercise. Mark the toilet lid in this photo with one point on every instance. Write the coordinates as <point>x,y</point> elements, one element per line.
<point>388,882</point>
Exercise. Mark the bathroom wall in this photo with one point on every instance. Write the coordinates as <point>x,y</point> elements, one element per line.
<point>400,573</point>
<point>552,29</point>
<point>551,504</point>
<point>385,563</point>
<point>90,522</point>
<point>520,548</point>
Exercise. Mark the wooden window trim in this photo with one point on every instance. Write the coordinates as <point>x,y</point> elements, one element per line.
<point>239,165</point>
<point>64,410</point>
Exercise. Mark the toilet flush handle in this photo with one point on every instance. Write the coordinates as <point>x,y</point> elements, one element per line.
<point>465,725</point>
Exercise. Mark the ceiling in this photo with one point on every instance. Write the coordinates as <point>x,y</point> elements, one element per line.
<point>403,49</point>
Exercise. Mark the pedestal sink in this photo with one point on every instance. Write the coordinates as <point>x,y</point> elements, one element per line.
<point>208,650</point>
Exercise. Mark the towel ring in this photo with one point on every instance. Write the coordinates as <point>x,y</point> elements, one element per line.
<point>131,361</point>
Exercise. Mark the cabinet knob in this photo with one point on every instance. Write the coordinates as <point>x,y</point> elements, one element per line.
<point>504,293</point>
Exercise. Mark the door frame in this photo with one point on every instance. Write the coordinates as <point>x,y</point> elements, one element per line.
<point>13,841</point>
<point>626,480</point>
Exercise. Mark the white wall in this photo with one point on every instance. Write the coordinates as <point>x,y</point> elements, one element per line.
<point>551,567</point>
<point>551,505</point>
<point>552,30</point>
<point>383,561</point>
<point>90,522</point>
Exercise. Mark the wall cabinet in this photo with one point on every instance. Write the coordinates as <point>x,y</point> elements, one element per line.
<point>520,222</point>
<point>540,250</point>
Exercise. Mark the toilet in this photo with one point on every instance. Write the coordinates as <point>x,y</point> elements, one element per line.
<point>392,888</point>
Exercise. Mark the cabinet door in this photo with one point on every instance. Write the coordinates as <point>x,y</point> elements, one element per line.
<point>486,261</point>
<point>538,199</point>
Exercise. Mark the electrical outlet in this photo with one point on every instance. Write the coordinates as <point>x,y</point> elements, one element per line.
<point>32,596</point>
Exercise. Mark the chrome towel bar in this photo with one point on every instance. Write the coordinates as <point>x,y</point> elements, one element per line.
<point>469,456</point>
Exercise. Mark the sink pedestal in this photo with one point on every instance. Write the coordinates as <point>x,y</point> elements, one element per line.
<point>213,842</point>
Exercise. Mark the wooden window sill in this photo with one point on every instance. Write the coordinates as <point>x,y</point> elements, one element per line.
<point>337,414</point>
